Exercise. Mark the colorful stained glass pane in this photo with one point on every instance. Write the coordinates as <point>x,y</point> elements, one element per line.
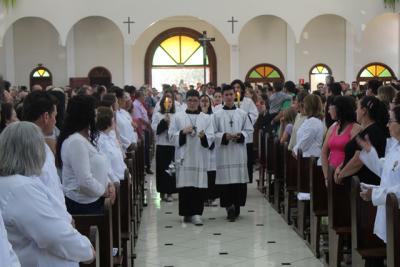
<point>255,74</point>
<point>366,74</point>
<point>372,69</point>
<point>188,47</point>
<point>315,71</point>
<point>161,58</point>
<point>320,69</point>
<point>36,74</point>
<point>172,47</point>
<point>385,74</point>
<point>379,70</point>
<point>268,71</point>
<point>261,71</point>
<point>196,59</point>
<point>274,74</point>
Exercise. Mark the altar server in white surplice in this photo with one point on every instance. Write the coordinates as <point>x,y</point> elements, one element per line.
<point>247,105</point>
<point>192,133</point>
<point>388,169</point>
<point>232,129</point>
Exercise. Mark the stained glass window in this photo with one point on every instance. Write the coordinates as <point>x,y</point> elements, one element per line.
<point>318,73</point>
<point>41,72</point>
<point>179,50</point>
<point>376,71</point>
<point>264,73</point>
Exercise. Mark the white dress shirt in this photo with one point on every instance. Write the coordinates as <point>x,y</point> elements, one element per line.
<point>84,171</point>
<point>125,128</point>
<point>38,234</point>
<point>388,169</point>
<point>108,145</point>
<point>310,137</point>
<point>7,255</point>
<point>52,181</point>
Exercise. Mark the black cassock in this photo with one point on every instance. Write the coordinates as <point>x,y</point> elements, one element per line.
<point>165,183</point>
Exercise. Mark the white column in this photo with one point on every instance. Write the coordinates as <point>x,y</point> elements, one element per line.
<point>9,74</point>
<point>70,50</point>
<point>235,62</point>
<point>290,55</point>
<point>349,56</point>
<point>128,64</point>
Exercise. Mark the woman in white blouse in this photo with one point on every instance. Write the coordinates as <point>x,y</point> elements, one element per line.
<point>311,133</point>
<point>387,168</point>
<point>85,173</point>
<point>39,235</point>
<point>109,145</point>
<point>7,254</point>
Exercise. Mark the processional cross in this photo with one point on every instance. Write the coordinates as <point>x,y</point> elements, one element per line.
<point>203,40</point>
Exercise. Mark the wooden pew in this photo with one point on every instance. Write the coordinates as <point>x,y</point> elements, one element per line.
<point>392,230</point>
<point>278,174</point>
<point>290,181</point>
<point>127,234</point>
<point>270,158</point>
<point>261,161</point>
<point>93,236</point>
<point>116,227</point>
<point>318,204</point>
<point>104,224</point>
<point>369,246</point>
<point>130,161</point>
<point>339,219</point>
<point>303,186</point>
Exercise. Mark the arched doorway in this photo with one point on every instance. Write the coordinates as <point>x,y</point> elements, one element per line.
<point>175,55</point>
<point>264,73</point>
<point>40,76</point>
<point>317,75</point>
<point>100,76</point>
<point>375,70</point>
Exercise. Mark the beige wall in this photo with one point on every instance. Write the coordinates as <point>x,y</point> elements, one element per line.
<point>36,41</point>
<point>98,42</point>
<point>221,47</point>
<point>379,43</point>
<point>262,40</point>
<point>2,62</point>
<point>323,41</point>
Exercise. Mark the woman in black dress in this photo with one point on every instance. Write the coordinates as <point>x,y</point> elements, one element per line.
<point>373,117</point>
<point>165,149</point>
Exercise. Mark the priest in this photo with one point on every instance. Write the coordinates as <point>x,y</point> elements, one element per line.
<point>232,129</point>
<point>192,133</point>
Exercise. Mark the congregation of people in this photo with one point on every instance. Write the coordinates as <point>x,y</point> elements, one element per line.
<point>62,151</point>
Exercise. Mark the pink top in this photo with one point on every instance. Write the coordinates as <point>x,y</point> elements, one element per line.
<point>337,143</point>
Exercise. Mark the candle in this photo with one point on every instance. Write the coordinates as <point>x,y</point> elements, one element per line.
<point>238,99</point>
<point>167,105</point>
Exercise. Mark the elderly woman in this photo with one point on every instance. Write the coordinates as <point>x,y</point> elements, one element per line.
<point>38,234</point>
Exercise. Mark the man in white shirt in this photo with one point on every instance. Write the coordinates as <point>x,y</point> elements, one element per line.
<point>124,121</point>
<point>41,108</point>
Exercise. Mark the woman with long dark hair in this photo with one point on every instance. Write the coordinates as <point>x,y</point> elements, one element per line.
<point>84,170</point>
<point>165,149</point>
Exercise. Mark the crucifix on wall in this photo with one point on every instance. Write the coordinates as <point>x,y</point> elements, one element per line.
<point>233,21</point>
<point>129,22</point>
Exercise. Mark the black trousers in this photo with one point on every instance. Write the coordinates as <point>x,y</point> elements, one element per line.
<point>147,137</point>
<point>212,191</point>
<point>250,161</point>
<point>165,183</point>
<point>233,194</point>
<point>74,207</point>
<point>191,201</point>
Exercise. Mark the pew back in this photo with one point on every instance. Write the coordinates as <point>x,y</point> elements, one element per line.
<point>303,173</point>
<point>393,230</point>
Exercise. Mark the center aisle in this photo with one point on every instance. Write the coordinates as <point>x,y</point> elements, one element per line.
<point>260,237</point>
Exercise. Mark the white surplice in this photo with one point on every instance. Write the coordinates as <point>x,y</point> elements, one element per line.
<point>39,235</point>
<point>232,158</point>
<point>388,169</point>
<point>8,257</point>
<point>163,138</point>
<point>192,158</point>
<point>248,106</point>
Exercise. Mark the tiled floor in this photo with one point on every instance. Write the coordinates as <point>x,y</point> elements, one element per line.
<point>259,238</point>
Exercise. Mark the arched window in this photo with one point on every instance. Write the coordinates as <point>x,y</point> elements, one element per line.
<point>41,76</point>
<point>264,73</point>
<point>176,56</point>
<point>318,73</point>
<point>378,71</point>
<point>100,76</point>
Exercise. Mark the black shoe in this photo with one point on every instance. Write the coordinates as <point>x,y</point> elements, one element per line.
<point>148,171</point>
<point>237,211</point>
<point>231,213</point>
